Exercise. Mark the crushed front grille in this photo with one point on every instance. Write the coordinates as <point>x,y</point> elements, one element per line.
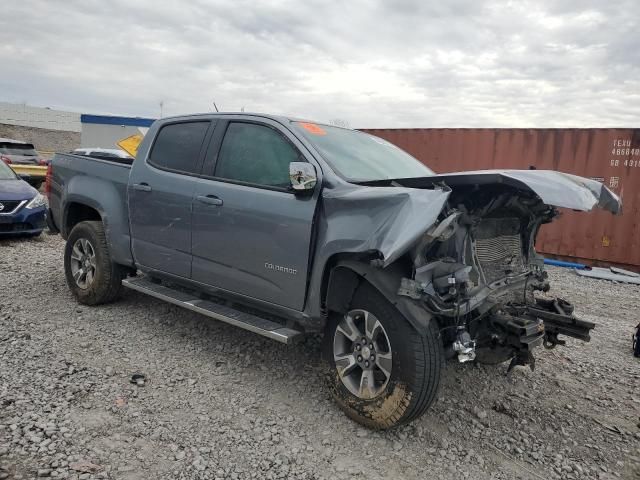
<point>499,248</point>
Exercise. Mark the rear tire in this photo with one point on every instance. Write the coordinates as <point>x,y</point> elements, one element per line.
<point>398,396</point>
<point>92,276</point>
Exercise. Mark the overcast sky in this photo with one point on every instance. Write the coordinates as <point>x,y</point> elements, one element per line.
<point>401,63</point>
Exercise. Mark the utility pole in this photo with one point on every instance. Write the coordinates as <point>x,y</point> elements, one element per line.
<point>161,105</point>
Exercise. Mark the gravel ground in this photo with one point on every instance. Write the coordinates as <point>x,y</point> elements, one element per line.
<point>219,402</point>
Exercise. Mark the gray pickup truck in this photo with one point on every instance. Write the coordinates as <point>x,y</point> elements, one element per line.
<point>285,227</point>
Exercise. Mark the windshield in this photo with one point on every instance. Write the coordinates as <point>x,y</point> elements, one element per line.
<point>5,172</point>
<point>361,157</point>
<point>24,149</point>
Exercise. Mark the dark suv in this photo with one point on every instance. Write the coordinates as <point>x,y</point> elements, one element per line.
<point>15,151</point>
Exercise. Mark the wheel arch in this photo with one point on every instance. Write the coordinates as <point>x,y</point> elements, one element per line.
<point>76,212</point>
<point>347,274</point>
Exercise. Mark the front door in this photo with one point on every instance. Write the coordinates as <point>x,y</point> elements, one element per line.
<point>251,234</point>
<point>160,194</point>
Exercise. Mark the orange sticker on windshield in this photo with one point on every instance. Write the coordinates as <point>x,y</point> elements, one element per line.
<point>313,128</point>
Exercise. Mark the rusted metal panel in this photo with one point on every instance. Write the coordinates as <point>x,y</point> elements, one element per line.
<point>610,155</point>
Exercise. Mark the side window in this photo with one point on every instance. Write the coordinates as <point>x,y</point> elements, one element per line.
<point>255,154</point>
<point>177,146</point>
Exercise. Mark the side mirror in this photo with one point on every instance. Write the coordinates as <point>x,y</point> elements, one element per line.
<point>302,176</point>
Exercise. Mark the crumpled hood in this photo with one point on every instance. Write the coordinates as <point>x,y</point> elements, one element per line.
<point>554,188</point>
<point>370,217</point>
<point>384,219</point>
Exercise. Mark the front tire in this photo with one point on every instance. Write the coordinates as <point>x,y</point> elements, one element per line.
<point>92,276</point>
<point>383,372</point>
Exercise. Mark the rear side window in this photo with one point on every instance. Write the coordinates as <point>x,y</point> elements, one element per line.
<point>255,154</point>
<point>177,146</point>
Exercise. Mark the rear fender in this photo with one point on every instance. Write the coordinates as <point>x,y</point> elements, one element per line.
<point>347,275</point>
<point>103,197</point>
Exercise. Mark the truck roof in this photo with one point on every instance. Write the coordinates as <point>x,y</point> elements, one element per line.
<point>277,118</point>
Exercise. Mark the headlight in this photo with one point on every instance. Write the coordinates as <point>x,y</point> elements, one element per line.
<point>37,201</point>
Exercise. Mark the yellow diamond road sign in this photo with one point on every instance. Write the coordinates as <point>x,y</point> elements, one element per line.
<point>131,144</point>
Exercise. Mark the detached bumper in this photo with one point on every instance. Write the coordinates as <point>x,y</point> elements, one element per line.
<point>25,221</point>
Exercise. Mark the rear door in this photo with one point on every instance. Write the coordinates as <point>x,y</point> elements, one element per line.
<point>251,234</point>
<point>160,193</point>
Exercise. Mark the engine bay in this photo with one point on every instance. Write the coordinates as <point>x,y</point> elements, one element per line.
<point>477,272</point>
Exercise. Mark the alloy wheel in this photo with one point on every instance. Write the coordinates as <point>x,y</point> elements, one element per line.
<point>362,354</point>
<point>83,263</point>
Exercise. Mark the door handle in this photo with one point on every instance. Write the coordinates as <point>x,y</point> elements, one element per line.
<point>142,187</point>
<point>209,200</point>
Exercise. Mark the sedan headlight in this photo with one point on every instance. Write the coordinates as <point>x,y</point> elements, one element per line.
<point>37,201</point>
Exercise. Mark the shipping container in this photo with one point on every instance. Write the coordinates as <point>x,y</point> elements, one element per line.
<point>609,155</point>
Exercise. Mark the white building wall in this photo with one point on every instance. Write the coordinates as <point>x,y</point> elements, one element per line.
<point>27,116</point>
<point>106,136</point>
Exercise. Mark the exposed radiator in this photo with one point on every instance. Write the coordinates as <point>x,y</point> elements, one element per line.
<point>499,248</point>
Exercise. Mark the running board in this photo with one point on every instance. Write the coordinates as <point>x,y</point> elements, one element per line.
<point>244,320</point>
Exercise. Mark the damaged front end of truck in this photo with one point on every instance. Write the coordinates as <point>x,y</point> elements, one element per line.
<point>476,269</point>
<point>466,242</point>
<point>409,269</point>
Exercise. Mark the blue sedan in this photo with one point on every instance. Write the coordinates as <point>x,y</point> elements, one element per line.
<point>22,208</point>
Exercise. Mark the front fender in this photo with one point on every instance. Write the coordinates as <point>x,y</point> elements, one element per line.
<point>347,275</point>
